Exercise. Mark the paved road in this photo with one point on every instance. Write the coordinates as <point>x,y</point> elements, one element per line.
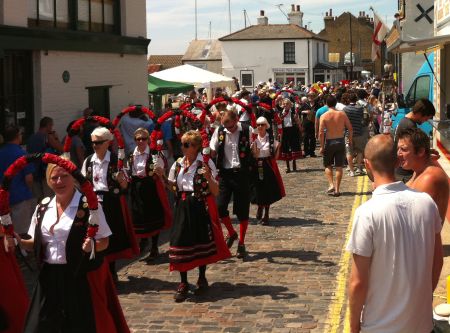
<point>288,283</point>
<point>285,285</point>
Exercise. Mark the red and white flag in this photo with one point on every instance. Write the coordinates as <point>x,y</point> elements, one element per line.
<point>380,31</point>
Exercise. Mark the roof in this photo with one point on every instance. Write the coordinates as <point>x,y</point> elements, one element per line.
<point>203,50</point>
<point>321,65</point>
<point>162,87</point>
<point>272,31</point>
<point>164,62</point>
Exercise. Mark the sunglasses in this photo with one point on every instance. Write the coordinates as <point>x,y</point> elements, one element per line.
<point>186,144</point>
<point>141,139</point>
<point>95,143</point>
<point>260,125</point>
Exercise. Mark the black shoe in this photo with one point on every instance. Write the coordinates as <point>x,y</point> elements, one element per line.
<point>230,239</point>
<point>313,155</point>
<point>154,253</point>
<point>202,286</point>
<point>241,252</point>
<point>259,213</point>
<point>182,292</point>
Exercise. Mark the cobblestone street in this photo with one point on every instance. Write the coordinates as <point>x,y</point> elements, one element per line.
<point>287,283</point>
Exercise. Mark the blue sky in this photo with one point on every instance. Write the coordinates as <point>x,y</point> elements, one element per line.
<point>171,23</point>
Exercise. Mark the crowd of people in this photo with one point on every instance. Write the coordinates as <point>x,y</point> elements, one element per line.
<point>188,185</point>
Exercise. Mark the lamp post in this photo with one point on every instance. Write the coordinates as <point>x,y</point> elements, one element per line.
<point>351,46</point>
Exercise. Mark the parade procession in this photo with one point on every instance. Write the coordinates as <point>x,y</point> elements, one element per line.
<point>270,179</point>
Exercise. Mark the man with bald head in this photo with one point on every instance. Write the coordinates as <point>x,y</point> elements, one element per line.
<point>397,251</point>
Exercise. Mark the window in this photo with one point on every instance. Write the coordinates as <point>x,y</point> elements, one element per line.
<point>48,13</point>
<point>419,89</point>
<point>96,15</point>
<point>289,52</point>
<point>247,78</point>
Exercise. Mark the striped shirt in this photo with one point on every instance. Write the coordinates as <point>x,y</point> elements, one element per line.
<point>355,114</point>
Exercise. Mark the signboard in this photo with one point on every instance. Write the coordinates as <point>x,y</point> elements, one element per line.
<point>442,8</point>
<point>288,70</point>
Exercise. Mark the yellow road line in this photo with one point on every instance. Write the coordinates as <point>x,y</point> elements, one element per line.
<point>334,314</point>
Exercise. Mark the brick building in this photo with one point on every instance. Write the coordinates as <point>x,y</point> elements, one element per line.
<point>58,57</point>
<point>338,30</point>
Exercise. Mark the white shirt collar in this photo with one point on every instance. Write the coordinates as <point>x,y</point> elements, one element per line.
<point>137,152</point>
<point>199,158</point>
<point>107,157</point>
<point>389,188</point>
<point>73,203</point>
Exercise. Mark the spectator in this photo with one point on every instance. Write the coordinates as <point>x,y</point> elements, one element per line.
<point>355,114</point>
<point>397,251</point>
<point>130,123</point>
<point>21,198</point>
<point>77,149</point>
<point>88,128</point>
<point>44,140</point>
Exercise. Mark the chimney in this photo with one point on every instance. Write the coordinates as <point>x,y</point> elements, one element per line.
<point>331,11</point>
<point>295,17</point>
<point>262,20</point>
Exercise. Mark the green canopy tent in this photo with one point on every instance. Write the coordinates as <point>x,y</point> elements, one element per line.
<point>158,87</point>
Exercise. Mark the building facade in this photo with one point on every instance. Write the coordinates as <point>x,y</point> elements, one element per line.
<point>283,52</point>
<point>348,34</point>
<point>205,54</point>
<point>59,57</point>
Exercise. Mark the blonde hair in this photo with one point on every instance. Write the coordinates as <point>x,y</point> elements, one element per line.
<point>194,138</point>
<point>141,131</point>
<point>102,133</point>
<point>50,168</point>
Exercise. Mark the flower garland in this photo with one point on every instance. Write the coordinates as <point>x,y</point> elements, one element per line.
<point>75,129</point>
<point>86,188</point>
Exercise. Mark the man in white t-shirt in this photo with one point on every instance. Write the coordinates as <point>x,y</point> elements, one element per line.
<point>397,251</point>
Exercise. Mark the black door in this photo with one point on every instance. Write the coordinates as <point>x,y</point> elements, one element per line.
<point>16,91</point>
<point>99,100</point>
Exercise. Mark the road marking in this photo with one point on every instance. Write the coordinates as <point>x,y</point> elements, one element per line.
<point>334,314</point>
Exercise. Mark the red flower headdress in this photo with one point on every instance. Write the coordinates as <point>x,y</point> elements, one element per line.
<point>18,165</point>
<point>75,129</point>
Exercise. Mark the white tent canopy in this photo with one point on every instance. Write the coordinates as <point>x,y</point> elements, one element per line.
<point>200,78</point>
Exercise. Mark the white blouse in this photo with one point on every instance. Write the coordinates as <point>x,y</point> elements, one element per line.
<point>185,179</point>
<point>99,171</point>
<point>140,161</point>
<point>287,120</point>
<point>263,144</point>
<point>54,242</point>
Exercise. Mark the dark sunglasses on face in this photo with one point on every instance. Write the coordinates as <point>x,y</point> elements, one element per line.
<point>141,139</point>
<point>186,144</point>
<point>98,142</point>
<point>260,125</point>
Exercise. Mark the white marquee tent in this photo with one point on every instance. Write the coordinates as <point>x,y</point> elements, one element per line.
<point>200,78</point>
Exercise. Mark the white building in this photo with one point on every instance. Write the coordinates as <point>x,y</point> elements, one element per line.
<point>205,54</point>
<point>59,57</point>
<point>283,52</point>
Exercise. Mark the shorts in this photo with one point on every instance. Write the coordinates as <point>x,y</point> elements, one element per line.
<point>334,153</point>
<point>358,144</point>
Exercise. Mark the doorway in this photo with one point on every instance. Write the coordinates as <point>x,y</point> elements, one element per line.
<point>99,100</point>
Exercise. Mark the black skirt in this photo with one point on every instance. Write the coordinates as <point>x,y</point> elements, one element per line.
<point>147,210</point>
<point>61,302</point>
<point>191,236</point>
<point>290,144</point>
<point>264,191</point>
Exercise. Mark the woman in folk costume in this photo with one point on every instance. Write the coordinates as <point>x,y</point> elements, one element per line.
<point>64,230</point>
<point>196,237</point>
<point>149,201</point>
<point>290,140</point>
<point>101,169</point>
<point>266,185</point>
<point>13,294</point>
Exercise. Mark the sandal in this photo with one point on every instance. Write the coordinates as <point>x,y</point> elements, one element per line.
<point>337,194</point>
<point>330,190</point>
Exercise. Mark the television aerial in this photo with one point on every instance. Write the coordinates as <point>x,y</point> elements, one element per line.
<point>281,10</point>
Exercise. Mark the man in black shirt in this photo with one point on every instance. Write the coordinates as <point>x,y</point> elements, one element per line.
<point>422,111</point>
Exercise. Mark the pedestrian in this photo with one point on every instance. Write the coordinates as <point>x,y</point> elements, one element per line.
<point>44,140</point>
<point>355,113</point>
<point>110,185</point>
<point>309,110</point>
<point>21,200</point>
<point>129,123</point>
<point>196,237</point>
<point>422,111</point>
<point>149,201</point>
<point>77,148</point>
<point>88,126</point>
<point>62,300</point>
<point>266,185</point>
<point>414,153</point>
<point>290,139</point>
<point>230,144</point>
<point>397,251</point>
<point>332,143</point>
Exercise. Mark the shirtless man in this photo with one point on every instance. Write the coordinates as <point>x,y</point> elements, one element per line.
<point>332,147</point>
<point>413,151</point>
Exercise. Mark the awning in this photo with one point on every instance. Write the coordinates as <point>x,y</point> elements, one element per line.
<point>420,44</point>
<point>162,87</point>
